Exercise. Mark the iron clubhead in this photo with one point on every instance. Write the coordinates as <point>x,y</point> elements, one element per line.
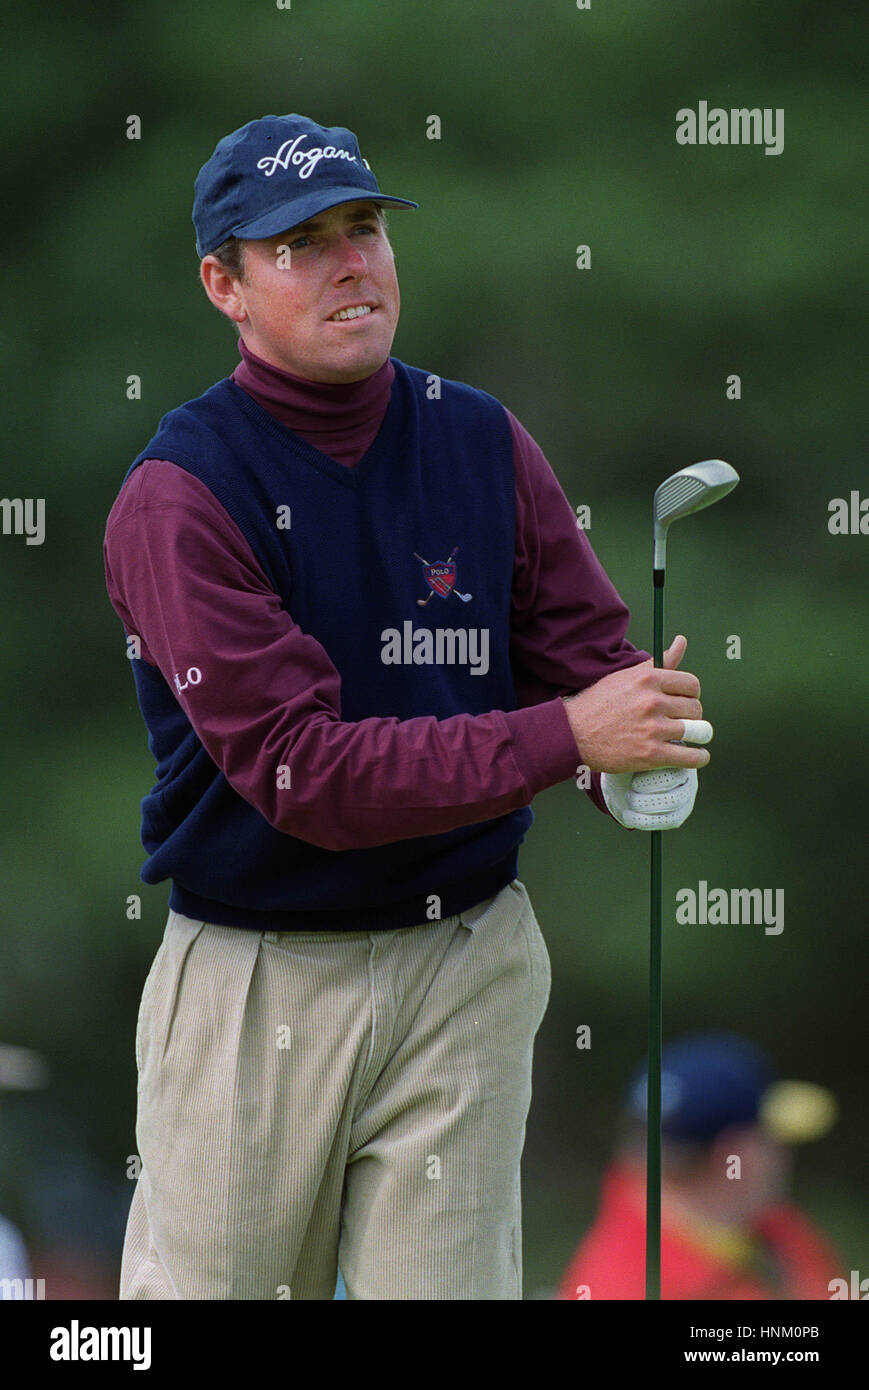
<point>685,492</point>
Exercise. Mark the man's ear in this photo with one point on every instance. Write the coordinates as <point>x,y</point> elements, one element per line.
<point>223,289</point>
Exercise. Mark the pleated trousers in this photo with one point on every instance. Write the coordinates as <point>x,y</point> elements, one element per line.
<point>315,1100</point>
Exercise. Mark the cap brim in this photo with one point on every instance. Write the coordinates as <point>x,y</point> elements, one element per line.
<point>796,1112</point>
<point>274,222</point>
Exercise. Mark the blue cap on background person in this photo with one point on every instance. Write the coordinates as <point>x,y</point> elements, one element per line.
<point>710,1081</point>
<point>276,172</point>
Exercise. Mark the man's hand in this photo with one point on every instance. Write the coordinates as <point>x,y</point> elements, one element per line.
<point>633,720</point>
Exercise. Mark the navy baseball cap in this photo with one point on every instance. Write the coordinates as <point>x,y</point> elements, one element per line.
<point>276,172</point>
<point>710,1081</point>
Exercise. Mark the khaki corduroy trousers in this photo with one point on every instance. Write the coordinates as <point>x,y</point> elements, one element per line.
<point>310,1100</point>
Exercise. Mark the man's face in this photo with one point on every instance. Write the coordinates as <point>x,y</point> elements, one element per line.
<point>764,1172</point>
<point>339,258</point>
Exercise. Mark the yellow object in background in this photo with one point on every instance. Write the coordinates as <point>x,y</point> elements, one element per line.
<point>797,1111</point>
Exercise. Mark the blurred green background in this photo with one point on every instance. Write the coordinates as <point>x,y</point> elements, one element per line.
<point>558,128</point>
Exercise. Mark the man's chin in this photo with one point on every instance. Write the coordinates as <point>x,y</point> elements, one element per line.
<point>353,362</point>
<point>351,366</point>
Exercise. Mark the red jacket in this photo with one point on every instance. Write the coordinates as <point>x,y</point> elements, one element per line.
<point>788,1258</point>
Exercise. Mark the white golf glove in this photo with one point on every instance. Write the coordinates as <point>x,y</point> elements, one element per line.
<point>659,800</point>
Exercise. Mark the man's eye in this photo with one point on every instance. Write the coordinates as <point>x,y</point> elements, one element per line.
<point>297,241</point>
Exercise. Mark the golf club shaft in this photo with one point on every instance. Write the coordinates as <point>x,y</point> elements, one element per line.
<point>685,492</point>
<point>653,1131</point>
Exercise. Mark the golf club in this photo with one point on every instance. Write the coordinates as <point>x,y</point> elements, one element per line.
<point>682,494</point>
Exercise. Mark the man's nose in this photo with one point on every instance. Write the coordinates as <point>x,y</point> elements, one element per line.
<point>351,261</point>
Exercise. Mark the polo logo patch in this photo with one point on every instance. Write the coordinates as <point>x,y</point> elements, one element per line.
<point>441,578</point>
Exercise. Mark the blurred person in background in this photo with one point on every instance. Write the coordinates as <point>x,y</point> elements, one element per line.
<point>14,1263</point>
<point>20,1070</point>
<point>728,1230</point>
<point>73,1213</point>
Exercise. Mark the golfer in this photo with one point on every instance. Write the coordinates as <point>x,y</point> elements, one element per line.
<point>365,632</point>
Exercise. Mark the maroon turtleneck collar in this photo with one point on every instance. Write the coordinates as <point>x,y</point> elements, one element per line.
<point>341,419</point>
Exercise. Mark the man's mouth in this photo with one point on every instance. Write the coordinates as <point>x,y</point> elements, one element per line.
<point>355,311</point>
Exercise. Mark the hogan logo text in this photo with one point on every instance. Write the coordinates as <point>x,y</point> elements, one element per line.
<point>305,160</point>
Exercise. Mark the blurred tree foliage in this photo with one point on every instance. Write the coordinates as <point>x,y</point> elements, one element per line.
<point>558,129</point>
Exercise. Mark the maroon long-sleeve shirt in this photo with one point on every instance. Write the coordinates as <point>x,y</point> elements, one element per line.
<point>181,575</point>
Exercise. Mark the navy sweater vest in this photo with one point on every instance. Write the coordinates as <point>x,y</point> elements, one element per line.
<point>439,475</point>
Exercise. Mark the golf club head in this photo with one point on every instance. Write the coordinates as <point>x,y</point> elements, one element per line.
<point>688,491</point>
